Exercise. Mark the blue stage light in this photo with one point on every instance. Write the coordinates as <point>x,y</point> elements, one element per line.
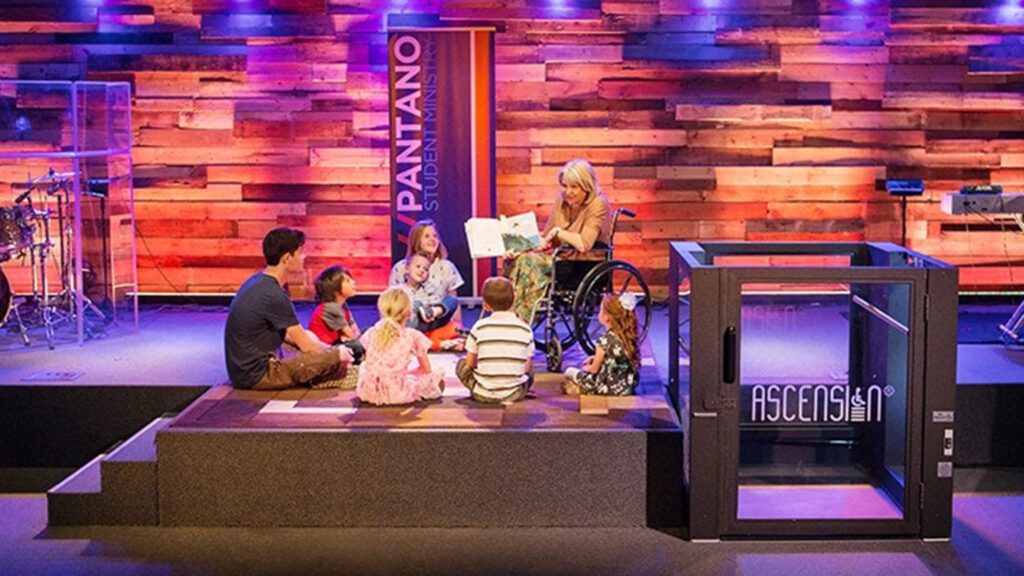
<point>22,126</point>
<point>1010,12</point>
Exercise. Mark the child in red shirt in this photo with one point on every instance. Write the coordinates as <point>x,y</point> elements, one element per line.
<point>332,321</point>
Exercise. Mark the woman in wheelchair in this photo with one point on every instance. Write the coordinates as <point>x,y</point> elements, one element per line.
<point>580,219</point>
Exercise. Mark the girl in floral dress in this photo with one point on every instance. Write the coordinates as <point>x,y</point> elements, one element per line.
<point>612,370</point>
<point>384,375</point>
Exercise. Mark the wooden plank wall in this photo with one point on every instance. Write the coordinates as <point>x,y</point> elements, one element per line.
<point>724,120</point>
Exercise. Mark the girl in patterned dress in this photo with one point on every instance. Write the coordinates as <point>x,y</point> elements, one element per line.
<point>612,370</point>
<point>384,375</point>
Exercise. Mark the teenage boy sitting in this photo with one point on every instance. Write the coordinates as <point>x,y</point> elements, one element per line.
<point>497,367</point>
<point>262,317</point>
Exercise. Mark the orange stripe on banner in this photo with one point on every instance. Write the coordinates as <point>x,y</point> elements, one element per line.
<point>474,154</point>
<point>484,134</point>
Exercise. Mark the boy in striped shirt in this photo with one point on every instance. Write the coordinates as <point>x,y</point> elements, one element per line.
<point>497,367</point>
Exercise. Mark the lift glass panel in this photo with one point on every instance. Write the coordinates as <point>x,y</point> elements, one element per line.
<point>822,407</point>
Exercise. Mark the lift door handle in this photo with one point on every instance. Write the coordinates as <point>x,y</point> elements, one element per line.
<point>729,355</point>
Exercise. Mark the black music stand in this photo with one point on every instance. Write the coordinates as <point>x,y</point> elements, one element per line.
<point>904,188</point>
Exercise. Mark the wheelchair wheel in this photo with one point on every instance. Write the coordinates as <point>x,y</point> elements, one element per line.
<point>616,277</point>
<point>553,355</point>
<point>561,325</point>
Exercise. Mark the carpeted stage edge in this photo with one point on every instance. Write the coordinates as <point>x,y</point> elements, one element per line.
<point>303,458</point>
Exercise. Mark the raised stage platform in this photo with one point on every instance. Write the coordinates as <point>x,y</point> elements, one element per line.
<point>320,458</point>
<point>124,381</point>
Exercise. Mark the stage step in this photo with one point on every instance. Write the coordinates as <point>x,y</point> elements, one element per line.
<point>115,488</point>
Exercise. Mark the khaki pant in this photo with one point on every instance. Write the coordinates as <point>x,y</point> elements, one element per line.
<point>468,379</point>
<point>305,369</point>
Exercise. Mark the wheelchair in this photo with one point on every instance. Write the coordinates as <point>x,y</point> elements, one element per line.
<point>567,314</point>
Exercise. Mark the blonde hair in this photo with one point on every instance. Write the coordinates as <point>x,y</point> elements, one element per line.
<point>623,323</point>
<point>394,304</point>
<point>416,236</point>
<point>579,172</point>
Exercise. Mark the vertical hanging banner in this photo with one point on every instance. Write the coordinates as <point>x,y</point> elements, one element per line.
<point>441,106</point>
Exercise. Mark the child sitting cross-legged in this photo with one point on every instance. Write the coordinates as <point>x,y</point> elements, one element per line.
<point>431,316</point>
<point>497,366</point>
<point>332,321</point>
<point>612,370</point>
<point>384,375</point>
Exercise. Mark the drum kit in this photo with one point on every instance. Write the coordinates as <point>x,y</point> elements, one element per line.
<point>25,234</point>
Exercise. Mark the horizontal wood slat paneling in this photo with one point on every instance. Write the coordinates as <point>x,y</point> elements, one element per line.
<point>754,120</point>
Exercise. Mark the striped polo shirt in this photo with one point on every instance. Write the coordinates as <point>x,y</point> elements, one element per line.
<point>503,344</point>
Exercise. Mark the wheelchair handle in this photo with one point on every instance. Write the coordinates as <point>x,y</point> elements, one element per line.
<point>626,211</point>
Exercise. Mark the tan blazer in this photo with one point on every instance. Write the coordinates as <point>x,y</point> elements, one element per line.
<point>592,220</point>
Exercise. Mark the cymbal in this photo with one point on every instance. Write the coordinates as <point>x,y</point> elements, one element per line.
<point>50,176</point>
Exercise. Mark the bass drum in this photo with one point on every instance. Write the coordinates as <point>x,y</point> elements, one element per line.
<point>5,297</point>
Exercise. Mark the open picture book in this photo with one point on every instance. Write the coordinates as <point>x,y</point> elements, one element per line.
<point>491,237</point>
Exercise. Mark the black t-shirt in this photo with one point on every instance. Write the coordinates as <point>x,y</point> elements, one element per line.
<point>260,313</point>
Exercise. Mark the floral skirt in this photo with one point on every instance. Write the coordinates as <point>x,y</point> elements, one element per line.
<point>530,275</point>
<point>398,388</point>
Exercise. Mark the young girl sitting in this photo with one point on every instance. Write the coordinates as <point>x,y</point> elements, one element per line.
<point>612,370</point>
<point>444,278</point>
<point>433,318</point>
<point>332,321</point>
<point>384,376</point>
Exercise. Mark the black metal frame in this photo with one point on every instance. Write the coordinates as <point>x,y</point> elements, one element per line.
<point>707,397</point>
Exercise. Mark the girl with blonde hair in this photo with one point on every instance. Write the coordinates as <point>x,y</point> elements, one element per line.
<point>612,370</point>
<point>384,376</point>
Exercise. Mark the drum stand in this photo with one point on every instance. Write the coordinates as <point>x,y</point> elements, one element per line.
<point>7,307</point>
<point>22,329</point>
<point>38,303</point>
<point>33,302</point>
<point>59,307</point>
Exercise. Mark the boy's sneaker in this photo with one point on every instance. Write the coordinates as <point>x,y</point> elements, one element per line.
<point>347,382</point>
<point>425,314</point>
<point>351,378</point>
<point>325,384</point>
<point>453,345</point>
